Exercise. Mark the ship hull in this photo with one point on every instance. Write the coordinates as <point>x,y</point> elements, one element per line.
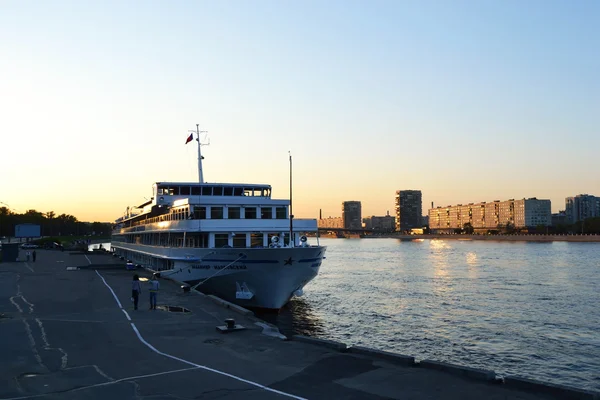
<point>251,277</point>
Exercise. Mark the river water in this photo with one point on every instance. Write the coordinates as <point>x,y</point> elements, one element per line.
<point>518,308</point>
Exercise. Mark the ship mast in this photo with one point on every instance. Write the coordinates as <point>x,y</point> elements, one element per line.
<point>200,158</point>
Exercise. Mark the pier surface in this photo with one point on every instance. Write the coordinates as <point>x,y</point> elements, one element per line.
<point>69,331</point>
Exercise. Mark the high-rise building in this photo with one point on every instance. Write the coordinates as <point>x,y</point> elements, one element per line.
<point>352,214</point>
<point>408,209</point>
<point>581,207</point>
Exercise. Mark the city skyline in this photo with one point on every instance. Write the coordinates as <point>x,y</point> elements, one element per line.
<point>467,102</point>
<point>427,207</point>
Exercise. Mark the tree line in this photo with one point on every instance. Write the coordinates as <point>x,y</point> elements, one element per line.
<point>50,224</point>
<point>589,226</point>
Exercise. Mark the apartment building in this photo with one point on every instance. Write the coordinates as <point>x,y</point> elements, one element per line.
<point>352,214</point>
<point>580,207</point>
<point>522,213</point>
<point>408,209</point>
<point>331,222</point>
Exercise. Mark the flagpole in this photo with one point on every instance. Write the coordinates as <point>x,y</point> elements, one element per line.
<point>200,175</point>
<point>291,213</point>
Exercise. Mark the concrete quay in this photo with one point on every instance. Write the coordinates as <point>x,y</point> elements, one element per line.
<point>68,331</point>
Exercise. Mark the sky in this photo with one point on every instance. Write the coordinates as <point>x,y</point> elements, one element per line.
<point>467,101</point>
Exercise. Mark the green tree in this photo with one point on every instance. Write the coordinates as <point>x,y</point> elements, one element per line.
<point>4,220</point>
<point>50,229</point>
<point>468,228</point>
<point>509,228</point>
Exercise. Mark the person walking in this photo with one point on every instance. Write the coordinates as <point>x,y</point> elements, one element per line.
<point>34,255</point>
<point>154,286</point>
<point>27,255</point>
<point>136,289</point>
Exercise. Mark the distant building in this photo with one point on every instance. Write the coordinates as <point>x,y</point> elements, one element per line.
<point>581,207</point>
<point>425,220</point>
<point>386,223</point>
<point>560,218</point>
<point>408,210</point>
<point>352,214</point>
<point>331,222</point>
<point>492,215</point>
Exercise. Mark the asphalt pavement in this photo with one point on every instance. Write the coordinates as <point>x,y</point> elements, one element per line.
<point>68,331</point>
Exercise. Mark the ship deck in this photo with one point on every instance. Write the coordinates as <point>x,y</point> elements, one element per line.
<point>69,332</point>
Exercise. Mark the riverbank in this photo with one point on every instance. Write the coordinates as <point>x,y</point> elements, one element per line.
<point>504,238</point>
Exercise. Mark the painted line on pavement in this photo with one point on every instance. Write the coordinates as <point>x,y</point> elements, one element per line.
<point>191,363</point>
<point>112,382</point>
<point>126,314</point>
<point>111,290</point>
<point>27,265</point>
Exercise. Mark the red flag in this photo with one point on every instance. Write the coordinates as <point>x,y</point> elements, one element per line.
<point>190,138</point>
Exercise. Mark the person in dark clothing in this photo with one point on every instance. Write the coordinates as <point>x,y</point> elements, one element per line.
<point>34,255</point>
<point>135,291</point>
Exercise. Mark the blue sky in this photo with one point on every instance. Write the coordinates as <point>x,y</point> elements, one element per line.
<point>467,101</point>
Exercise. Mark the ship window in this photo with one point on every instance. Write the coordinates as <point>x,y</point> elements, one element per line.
<point>256,240</point>
<point>221,239</point>
<point>196,191</point>
<point>239,240</point>
<point>218,191</point>
<point>174,191</point>
<point>161,190</point>
<point>234,213</point>
<point>238,191</point>
<point>266,212</point>
<point>280,213</point>
<point>199,212</point>
<point>248,192</point>
<point>216,212</point>
<point>228,191</point>
<point>206,191</point>
<point>250,213</point>
<point>184,190</point>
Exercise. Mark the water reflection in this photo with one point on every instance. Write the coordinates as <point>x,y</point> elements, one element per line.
<point>472,265</point>
<point>471,259</point>
<point>439,257</point>
<point>295,318</point>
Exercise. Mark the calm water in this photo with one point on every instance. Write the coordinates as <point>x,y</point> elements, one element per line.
<point>529,309</point>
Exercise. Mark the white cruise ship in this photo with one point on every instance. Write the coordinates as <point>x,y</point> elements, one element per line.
<point>228,239</point>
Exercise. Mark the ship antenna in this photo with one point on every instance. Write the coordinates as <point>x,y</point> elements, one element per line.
<point>200,157</point>
<point>291,213</point>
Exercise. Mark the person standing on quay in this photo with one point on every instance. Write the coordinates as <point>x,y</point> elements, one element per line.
<point>136,289</point>
<point>34,255</point>
<point>154,286</point>
<point>27,255</point>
